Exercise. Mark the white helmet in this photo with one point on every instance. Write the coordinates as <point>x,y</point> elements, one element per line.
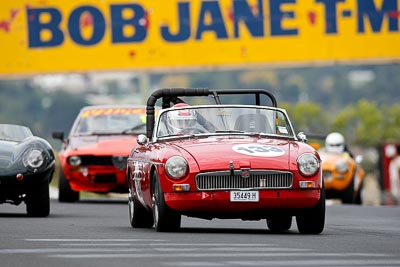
<point>181,119</point>
<point>334,143</point>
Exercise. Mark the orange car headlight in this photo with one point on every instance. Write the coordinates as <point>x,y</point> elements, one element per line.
<point>342,166</point>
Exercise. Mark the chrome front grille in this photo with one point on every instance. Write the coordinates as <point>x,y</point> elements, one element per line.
<point>259,179</point>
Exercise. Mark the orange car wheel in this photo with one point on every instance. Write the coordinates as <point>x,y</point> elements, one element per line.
<point>348,193</point>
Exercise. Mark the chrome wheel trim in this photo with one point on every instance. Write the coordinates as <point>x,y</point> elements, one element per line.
<point>131,206</point>
<point>155,210</point>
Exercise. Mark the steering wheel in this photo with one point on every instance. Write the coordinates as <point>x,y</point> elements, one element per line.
<point>193,130</point>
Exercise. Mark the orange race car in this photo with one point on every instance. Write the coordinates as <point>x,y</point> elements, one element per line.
<point>93,157</point>
<point>343,177</point>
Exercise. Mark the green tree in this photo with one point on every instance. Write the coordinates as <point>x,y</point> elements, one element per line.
<point>62,111</point>
<point>361,124</point>
<point>307,117</point>
<point>42,112</point>
<point>391,122</point>
<point>20,103</point>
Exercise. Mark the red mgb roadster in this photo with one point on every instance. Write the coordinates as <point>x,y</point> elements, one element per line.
<point>223,160</point>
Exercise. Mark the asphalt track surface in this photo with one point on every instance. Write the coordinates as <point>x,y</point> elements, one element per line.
<point>96,232</point>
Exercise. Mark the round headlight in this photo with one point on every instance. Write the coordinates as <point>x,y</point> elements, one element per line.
<point>308,164</point>
<point>74,161</point>
<point>342,166</point>
<point>176,167</point>
<point>33,158</point>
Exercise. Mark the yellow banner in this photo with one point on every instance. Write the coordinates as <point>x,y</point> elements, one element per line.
<point>47,36</point>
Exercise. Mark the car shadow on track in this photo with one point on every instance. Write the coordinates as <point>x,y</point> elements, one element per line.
<point>232,231</point>
<point>13,215</point>
<point>102,201</point>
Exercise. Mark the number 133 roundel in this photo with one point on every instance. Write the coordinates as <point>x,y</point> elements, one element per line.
<point>258,150</point>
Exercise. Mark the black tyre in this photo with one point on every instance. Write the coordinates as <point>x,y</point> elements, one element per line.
<point>279,224</point>
<point>358,198</point>
<point>139,217</point>
<point>65,193</point>
<point>312,220</point>
<point>348,194</point>
<point>165,219</point>
<point>38,200</point>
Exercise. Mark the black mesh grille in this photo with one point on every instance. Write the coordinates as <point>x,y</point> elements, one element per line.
<point>105,178</point>
<point>96,160</point>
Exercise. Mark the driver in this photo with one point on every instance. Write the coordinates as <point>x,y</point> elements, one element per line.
<point>182,119</point>
<point>335,143</point>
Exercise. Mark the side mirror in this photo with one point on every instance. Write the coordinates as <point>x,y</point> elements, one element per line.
<point>142,139</point>
<point>302,136</point>
<point>58,135</point>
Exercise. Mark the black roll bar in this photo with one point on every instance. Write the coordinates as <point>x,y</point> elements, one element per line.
<point>171,95</point>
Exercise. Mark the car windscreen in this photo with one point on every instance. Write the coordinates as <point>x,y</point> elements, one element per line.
<point>111,121</point>
<point>220,119</point>
<point>10,132</point>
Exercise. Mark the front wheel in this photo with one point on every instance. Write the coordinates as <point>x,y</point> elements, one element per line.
<point>165,219</point>
<point>65,193</point>
<point>38,200</point>
<point>139,217</point>
<point>358,198</point>
<point>348,193</point>
<point>312,220</point>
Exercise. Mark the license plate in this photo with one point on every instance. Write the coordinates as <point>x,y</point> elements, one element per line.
<point>244,196</point>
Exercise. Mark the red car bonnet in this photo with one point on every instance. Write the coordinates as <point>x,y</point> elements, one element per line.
<point>245,153</point>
